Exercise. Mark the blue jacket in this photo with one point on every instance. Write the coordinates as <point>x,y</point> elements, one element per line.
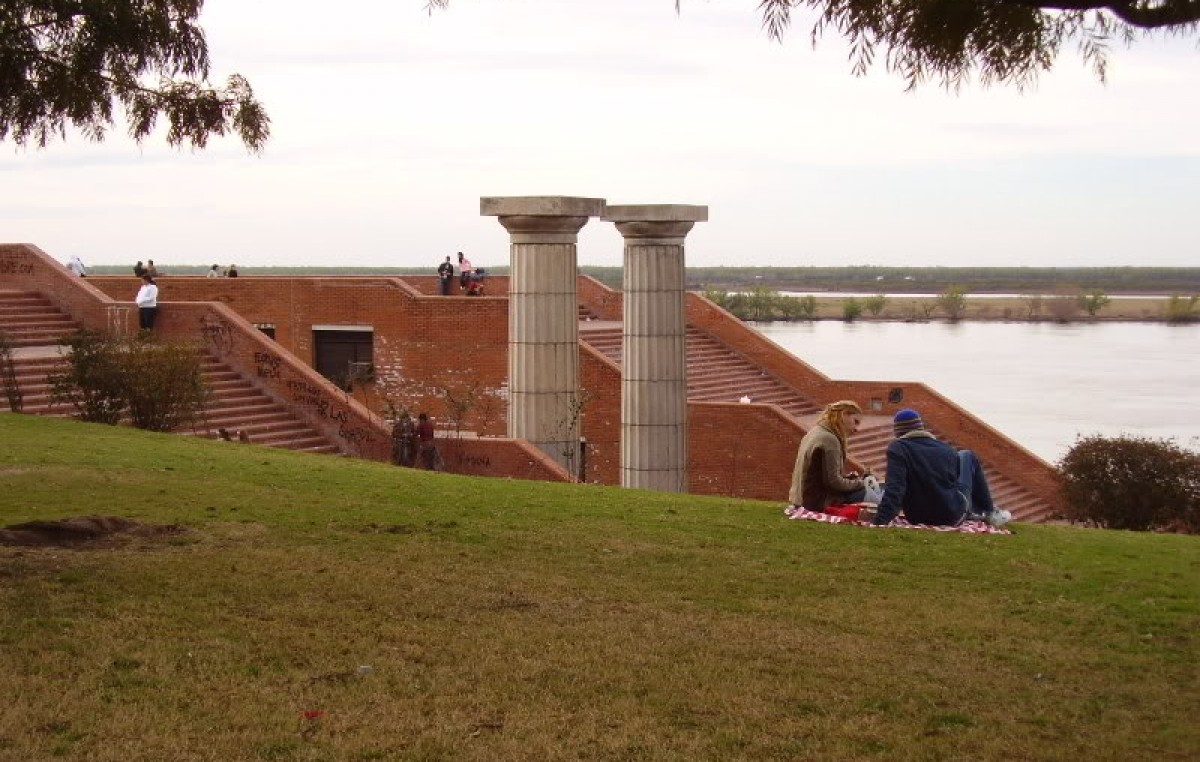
<point>922,479</point>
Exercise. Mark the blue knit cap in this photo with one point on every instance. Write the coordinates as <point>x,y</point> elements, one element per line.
<point>907,420</point>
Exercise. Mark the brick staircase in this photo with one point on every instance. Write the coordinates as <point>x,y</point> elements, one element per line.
<point>31,320</point>
<point>718,373</point>
<point>33,326</point>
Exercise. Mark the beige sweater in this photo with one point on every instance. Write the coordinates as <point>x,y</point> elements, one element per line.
<point>817,479</point>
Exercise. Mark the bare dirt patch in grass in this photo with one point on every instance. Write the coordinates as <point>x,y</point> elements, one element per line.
<point>83,532</point>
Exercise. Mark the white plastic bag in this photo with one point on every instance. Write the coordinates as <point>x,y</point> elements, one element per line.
<point>873,488</point>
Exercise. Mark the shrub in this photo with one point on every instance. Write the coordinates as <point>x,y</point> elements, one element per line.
<point>164,387</point>
<point>159,386</point>
<point>953,302</point>
<point>1033,305</point>
<point>8,376</point>
<point>1093,301</point>
<point>1133,483</point>
<point>1183,309</point>
<point>1064,308</point>
<point>874,304</point>
<point>852,309</point>
<point>798,307</point>
<point>93,382</point>
<point>760,303</point>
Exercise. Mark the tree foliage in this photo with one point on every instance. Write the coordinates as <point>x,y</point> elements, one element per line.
<point>69,62</point>
<point>1004,41</point>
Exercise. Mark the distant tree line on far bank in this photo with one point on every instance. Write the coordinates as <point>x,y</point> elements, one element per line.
<point>1065,305</point>
<point>863,278</point>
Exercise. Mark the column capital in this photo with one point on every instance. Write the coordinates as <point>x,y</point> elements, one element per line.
<point>655,223</point>
<point>541,219</point>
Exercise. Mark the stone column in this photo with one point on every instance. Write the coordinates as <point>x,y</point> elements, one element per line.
<point>543,318</point>
<point>654,348</point>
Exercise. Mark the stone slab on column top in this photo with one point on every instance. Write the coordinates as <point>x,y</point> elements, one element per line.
<point>540,206</point>
<point>655,213</point>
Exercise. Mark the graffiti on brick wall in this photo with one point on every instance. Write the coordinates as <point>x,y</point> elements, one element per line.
<point>16,263</point>
<point>474,461</point>
<point>310,395</point>
<point>217,334</point>
<point>267,364</point>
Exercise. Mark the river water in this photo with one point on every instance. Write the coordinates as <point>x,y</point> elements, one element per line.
<point>1040,383</point>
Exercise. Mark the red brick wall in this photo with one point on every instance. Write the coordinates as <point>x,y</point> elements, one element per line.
<point>498,456</point>
<point>422,344</point>
<point>26,267</point>
<point>602,301</point>
<point>741,450</point>
<point>600,380</point>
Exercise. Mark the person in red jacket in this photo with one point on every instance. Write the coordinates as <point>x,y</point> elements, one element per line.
<point>430,457</point>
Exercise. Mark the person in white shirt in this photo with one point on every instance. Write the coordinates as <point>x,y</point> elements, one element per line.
<point>214,272</point>
<point>76,266</point>
<point>147,302</point>
<point>464,271</point>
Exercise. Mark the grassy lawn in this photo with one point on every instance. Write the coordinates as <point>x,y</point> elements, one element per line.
<point>321,608</point>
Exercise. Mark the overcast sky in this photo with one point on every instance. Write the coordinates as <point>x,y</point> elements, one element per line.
<point>389,123</point>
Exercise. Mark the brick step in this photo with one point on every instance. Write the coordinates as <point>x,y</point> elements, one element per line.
<point>738,385</point>
<point>250,402</point>
<point>36,338</point>
<point>264,419</point>
<point>24,300</point>
<point>27,319</point>
<point>293,442</point>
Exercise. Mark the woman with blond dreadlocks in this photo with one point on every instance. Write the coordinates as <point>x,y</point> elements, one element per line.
<point>820,478</point>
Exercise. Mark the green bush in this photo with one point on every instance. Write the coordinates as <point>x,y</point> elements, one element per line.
<point>798,307</point>
<point>1183,309</point>
<point>93,382</point>
<point>953,302</point>
<point>1130,482</point>
<point>8,376</point>
<point>1093,301</point>
<point>852,309</point>
<point>875,304</point>
<point>159,386</point>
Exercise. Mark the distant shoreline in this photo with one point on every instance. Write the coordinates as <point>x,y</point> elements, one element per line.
<point>981,307</point>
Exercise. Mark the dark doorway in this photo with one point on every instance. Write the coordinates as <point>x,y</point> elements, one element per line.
<point>337,354</point>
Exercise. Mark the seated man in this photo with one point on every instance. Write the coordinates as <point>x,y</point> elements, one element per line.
<point>931,481</point>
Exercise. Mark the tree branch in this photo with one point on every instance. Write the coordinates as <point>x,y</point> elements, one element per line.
<point>1140,13</point>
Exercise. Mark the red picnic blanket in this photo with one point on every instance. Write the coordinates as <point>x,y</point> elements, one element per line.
<point>968,527</point>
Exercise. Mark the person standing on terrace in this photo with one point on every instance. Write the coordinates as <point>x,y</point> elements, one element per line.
<point>931,482</point>
<point>824,474</point>
<point>464,271</point>
<point>147,303</point>
<point>445,273</point>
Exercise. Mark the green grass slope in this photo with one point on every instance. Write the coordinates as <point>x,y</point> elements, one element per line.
<point>322,608</point>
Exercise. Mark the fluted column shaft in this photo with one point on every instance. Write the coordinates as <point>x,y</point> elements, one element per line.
<point>543,319</point>
<point>654,345</point>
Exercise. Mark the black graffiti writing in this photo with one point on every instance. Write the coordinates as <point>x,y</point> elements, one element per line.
<point>217,334</point>
<point>356,434</point>
<point>12,266</point>
<point>303,387</point>
<point>478,461</point>
<point>267,364</point>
